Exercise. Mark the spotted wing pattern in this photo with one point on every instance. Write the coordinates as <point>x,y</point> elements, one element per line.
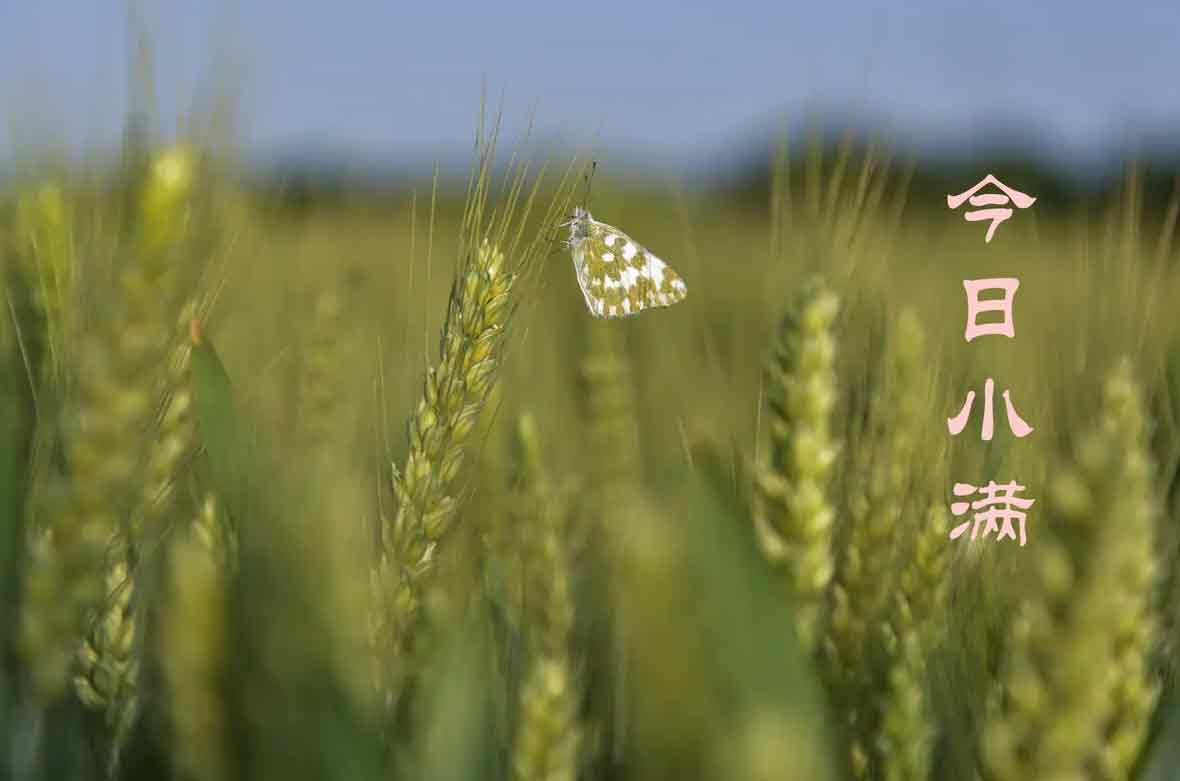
<point>618,276</point>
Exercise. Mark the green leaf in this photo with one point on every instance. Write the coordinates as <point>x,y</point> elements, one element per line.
<point>217,422</point>
<point>718,679</point>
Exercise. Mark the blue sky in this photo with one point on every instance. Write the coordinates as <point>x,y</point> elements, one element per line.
<point>671,83</point>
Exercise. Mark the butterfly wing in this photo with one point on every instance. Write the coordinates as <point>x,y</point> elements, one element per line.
<point>619,277</point>
<point>591,290</point>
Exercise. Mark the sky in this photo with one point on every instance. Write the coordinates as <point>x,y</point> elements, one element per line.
<point>654,82</point>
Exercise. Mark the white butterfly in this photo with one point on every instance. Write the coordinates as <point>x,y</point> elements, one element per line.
<point>618,277</point>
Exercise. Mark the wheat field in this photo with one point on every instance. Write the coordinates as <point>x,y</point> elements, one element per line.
<point>365,492</point>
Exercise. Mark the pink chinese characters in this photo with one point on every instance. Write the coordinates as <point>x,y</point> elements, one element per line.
<point>999,510</point>
<point>998,200</point>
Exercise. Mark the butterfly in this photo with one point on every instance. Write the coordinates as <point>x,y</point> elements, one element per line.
<point>617,275</point>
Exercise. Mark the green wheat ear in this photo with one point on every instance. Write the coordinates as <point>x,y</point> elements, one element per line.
<point>44,231</point>
<point>907,721</point>
<point>193,648</point>
<point>108,663</point>
<point>1077,696</point>
<point>792,513</point>
<point>115,364</point>
<point>454,394</point>
<point>548,735</point>
<point>1134,691</point>
<point>866,572</point>
<point>612,499</point>
<point>455,391</point>
<point>318,418</point>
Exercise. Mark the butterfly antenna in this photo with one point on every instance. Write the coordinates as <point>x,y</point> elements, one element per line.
<point>589,180</point>
<point>585,192</point>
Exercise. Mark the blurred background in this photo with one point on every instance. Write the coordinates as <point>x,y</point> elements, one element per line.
<point>684,90</point>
